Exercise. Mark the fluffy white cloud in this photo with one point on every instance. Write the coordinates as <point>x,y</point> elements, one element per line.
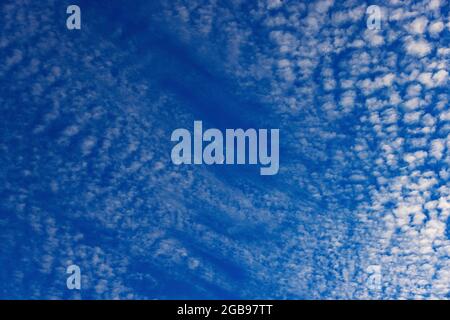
<point>437,148</point>
<point>436,27</point>
<point>419,48</point>
<point>419,25</point>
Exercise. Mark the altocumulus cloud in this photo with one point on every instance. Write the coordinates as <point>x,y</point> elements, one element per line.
<point>86,176</point>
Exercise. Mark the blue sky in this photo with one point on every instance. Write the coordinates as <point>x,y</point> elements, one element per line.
<point>87,178</point>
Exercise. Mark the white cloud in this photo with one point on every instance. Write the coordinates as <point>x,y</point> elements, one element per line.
<point>445,115</point>
<point>431,80</point>
<point>274,4</point>
<point>437,148</point>
<point>412,104</point>
<point>416,158</point>
<point>419,25</point>
<point>419,48</point>
<point>440,77</point>
<point>434,4</point>
<point>436,27</point>
<point>412,117</point>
